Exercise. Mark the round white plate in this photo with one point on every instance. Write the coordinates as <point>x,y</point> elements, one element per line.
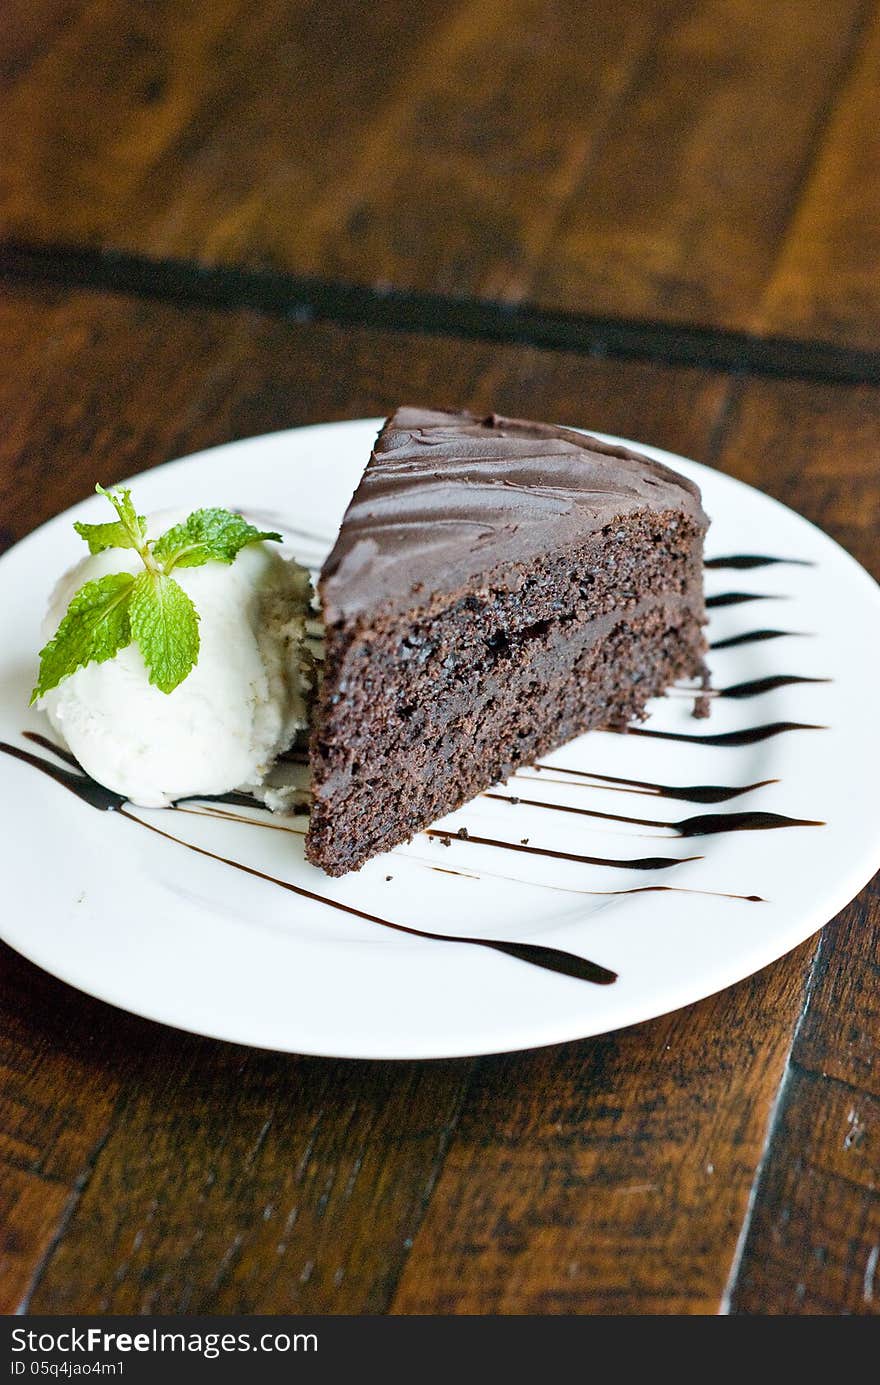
<point>178,936</point>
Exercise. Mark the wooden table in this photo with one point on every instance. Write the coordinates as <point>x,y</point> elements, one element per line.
<point>655,217</point>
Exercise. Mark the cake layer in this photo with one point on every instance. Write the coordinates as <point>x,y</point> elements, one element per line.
<point>418,713</point>
<point>447,497</point>
<point>408,767</point>
<point>497,588</point>
<point>438,649</point>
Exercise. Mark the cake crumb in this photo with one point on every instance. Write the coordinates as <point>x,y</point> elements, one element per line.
<point>703,702</point>
<point>523,841</point>
<point>462,834</point>
<point>388,877</point>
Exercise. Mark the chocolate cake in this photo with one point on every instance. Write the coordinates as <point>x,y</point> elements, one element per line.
<point>497,587</point>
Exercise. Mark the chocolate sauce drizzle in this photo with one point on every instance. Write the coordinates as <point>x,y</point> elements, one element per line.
<point>689,827</point>
<point>564,889</point>
<point>289,530</point>
<point>89,790</point>
<point>638,863</point>
<point>73,781</point>
<point>56,750</point>
<point>679,889</point>
<point>744,561</point>
<point>755,637</point>
<point>751,735</point>
<point>321,539</point>
<point>769,684</point>
<point>690,793</point>
<point>703,825</point>
<point>549,958</point>
<point>234,798</point>
<point>105,800</point>
<point>636,889</point>
<point>740,598</point>
<point>483,873</point>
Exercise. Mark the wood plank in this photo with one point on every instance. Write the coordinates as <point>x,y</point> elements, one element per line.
<point>814,1239</point>
<point>816,1217</point>
<point>277,138</point>
<point>639,159</point>
<point>839,1035</point>
<point>167,121</point>
<point>144,1169</point>
<point>610,1176</point>
<point>27,29</point>
<point>239,1182</point>
<point>682,213</point>
<point>825,283</point>
<point>58,1088</point>
<point>460,185</point>
<point>283,1197</point>
<point>80,369</point>
<point>814,447</point>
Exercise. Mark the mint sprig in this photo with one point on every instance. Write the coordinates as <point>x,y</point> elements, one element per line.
<point>206,535</point>
<point>165,626</point>
<point>95,628</point>
<point>128,531</point>
<point>150,609</point>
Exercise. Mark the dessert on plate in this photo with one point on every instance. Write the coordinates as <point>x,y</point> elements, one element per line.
<point>229,631</point>
<point>497,587</point>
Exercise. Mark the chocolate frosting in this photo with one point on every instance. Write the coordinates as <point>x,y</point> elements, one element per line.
<point>448,497</point>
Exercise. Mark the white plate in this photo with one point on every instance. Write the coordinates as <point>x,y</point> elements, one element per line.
<point>168,933</point>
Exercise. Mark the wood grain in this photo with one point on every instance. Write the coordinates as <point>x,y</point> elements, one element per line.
<point>240,1182</point>
<point>816,1216</point>
<point>707,162</point>
<point>288,137</point>
<point>814,447</point>
<point>85,373</point>
<point>58,1089</point>
<point>624,1188</point>
<point>825,282</point>
<point>156,121</point>
<point>145,1170</point>
<point>460,185</point>
<point>681,216</point>
<point>644,159</point>
<point>814,1241</point>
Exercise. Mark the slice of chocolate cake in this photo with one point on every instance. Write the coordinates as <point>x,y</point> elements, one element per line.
<point>497,588</point>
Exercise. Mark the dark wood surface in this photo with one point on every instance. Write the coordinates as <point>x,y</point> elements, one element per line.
<point>709,162</point>
<point>664,164</point>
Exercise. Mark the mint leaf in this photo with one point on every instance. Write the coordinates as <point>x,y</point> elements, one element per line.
<point>101,536</point>
<point>128,531</point>
<point>94,629</point>
<point>206,536</point>
<point>107,614</point>
<point>165,624</point>
<point>134,525</point>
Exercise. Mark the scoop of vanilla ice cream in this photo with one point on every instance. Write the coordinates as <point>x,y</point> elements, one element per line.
<point>237,710</point>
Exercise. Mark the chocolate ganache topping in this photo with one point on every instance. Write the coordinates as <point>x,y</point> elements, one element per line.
<point>447,496</point>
